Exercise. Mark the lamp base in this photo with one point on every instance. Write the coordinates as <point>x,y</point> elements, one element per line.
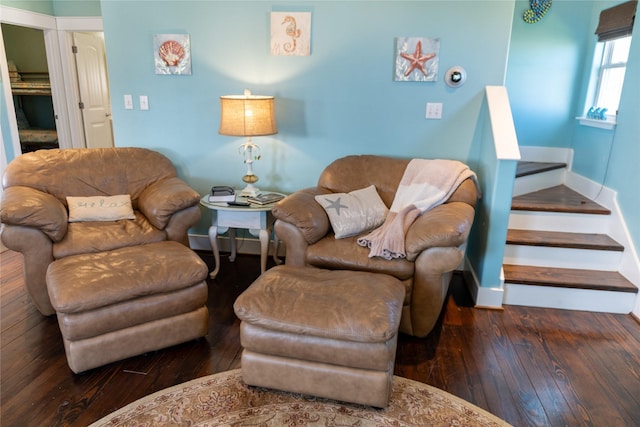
<point>250,191</point>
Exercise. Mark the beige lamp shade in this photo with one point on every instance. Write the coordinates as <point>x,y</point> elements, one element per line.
<point>247,115</point>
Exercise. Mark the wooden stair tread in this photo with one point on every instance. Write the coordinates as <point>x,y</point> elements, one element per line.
<point>530,168</point>
<point>567,278</point>
<point>557,199</point>
<point>557,239</point>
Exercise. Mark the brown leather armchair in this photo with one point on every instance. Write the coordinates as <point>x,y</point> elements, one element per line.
<point>34,208</point>
<point>435,242</point>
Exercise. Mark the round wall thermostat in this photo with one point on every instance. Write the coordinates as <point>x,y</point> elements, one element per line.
<point>455,77</point>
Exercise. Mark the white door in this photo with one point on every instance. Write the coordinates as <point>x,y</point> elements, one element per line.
<point>93,83</point>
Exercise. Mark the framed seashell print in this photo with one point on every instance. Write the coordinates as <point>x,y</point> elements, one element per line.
<point>172,53</point>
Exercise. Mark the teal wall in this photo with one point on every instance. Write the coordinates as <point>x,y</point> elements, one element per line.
<point>76,7</point>
<point>340,100</point>
<point>545,70</point>
<point>620,145</point>
<point>622,174</point>
<point>38,6</point>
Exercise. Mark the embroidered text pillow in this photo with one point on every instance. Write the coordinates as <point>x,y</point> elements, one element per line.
<point>100,208</point>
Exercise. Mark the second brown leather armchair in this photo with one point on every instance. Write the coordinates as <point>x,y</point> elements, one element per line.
<point>435,242</point>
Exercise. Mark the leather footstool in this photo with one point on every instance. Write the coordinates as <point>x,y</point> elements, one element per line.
<point>326,333</point>
<point>121,303</point>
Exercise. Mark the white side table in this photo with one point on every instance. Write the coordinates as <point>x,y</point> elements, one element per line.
<point>255,218</point>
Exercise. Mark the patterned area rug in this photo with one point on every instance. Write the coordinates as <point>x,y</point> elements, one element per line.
<point>224,400</point>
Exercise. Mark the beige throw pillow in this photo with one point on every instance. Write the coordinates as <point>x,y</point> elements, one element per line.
<point>352,213</point>
<point>100,208</point>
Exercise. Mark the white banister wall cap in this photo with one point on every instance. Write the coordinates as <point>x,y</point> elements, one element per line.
<point>504,131</point>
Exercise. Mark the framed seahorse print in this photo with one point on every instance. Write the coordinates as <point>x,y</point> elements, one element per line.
<point>291,33</point>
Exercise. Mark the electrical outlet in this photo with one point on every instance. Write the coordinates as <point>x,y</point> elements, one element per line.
<point>128,102</point>
<point>144,102</point>
<point>434,110</point>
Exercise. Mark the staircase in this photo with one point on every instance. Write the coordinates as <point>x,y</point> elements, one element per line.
<point>558,252</point>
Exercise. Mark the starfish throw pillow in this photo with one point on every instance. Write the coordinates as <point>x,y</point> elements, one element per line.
<point>355,212</point>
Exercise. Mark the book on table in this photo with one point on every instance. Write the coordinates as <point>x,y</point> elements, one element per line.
<point>265,198</point>
<point>222,193</point>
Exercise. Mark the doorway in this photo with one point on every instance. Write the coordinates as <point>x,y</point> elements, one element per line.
<point>58,36</point>
<point>30,87</point>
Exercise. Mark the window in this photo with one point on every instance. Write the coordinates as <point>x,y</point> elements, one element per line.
<point>614,29</point>
<point>611,74</point>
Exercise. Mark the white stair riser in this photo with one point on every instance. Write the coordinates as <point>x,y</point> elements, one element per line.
<point>539,181</point>
<point>559,221</point>
<point>542,256</point>
<point>569,299</point>
<point>547,155</point>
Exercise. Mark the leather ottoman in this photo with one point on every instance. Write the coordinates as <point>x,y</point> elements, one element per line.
<point>326,333</point>
<point>121,303</point>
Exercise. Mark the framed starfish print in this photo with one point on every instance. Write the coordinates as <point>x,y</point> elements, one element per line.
<point>417,59</point>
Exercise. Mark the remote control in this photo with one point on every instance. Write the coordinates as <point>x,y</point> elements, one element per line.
<point>237,203</point>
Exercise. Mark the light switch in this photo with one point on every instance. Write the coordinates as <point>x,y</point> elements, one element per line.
<point>144,102</point>
<point>128,102</point>
<point>434,110</point>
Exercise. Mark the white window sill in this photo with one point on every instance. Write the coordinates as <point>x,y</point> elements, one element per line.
<point>602,124</point>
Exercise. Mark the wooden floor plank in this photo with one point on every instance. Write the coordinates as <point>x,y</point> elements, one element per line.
<point>619,365</point>
<point>526,400</point>
<point>544,362</point>
<point>499,375</point>
<point>529,366</point>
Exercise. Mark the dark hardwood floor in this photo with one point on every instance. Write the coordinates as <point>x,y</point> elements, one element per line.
<point>529,366</point>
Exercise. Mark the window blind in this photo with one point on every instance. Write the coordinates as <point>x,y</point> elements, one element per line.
<point>616,21</point>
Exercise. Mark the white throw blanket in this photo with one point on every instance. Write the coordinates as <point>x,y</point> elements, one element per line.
<point>425,184</point>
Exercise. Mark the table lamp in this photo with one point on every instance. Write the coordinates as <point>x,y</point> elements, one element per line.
<point>247,115</point>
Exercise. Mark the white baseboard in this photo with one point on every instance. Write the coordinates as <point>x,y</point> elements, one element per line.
<point>244,245</point>
<point>483,296</point>
<point>617,227</point>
